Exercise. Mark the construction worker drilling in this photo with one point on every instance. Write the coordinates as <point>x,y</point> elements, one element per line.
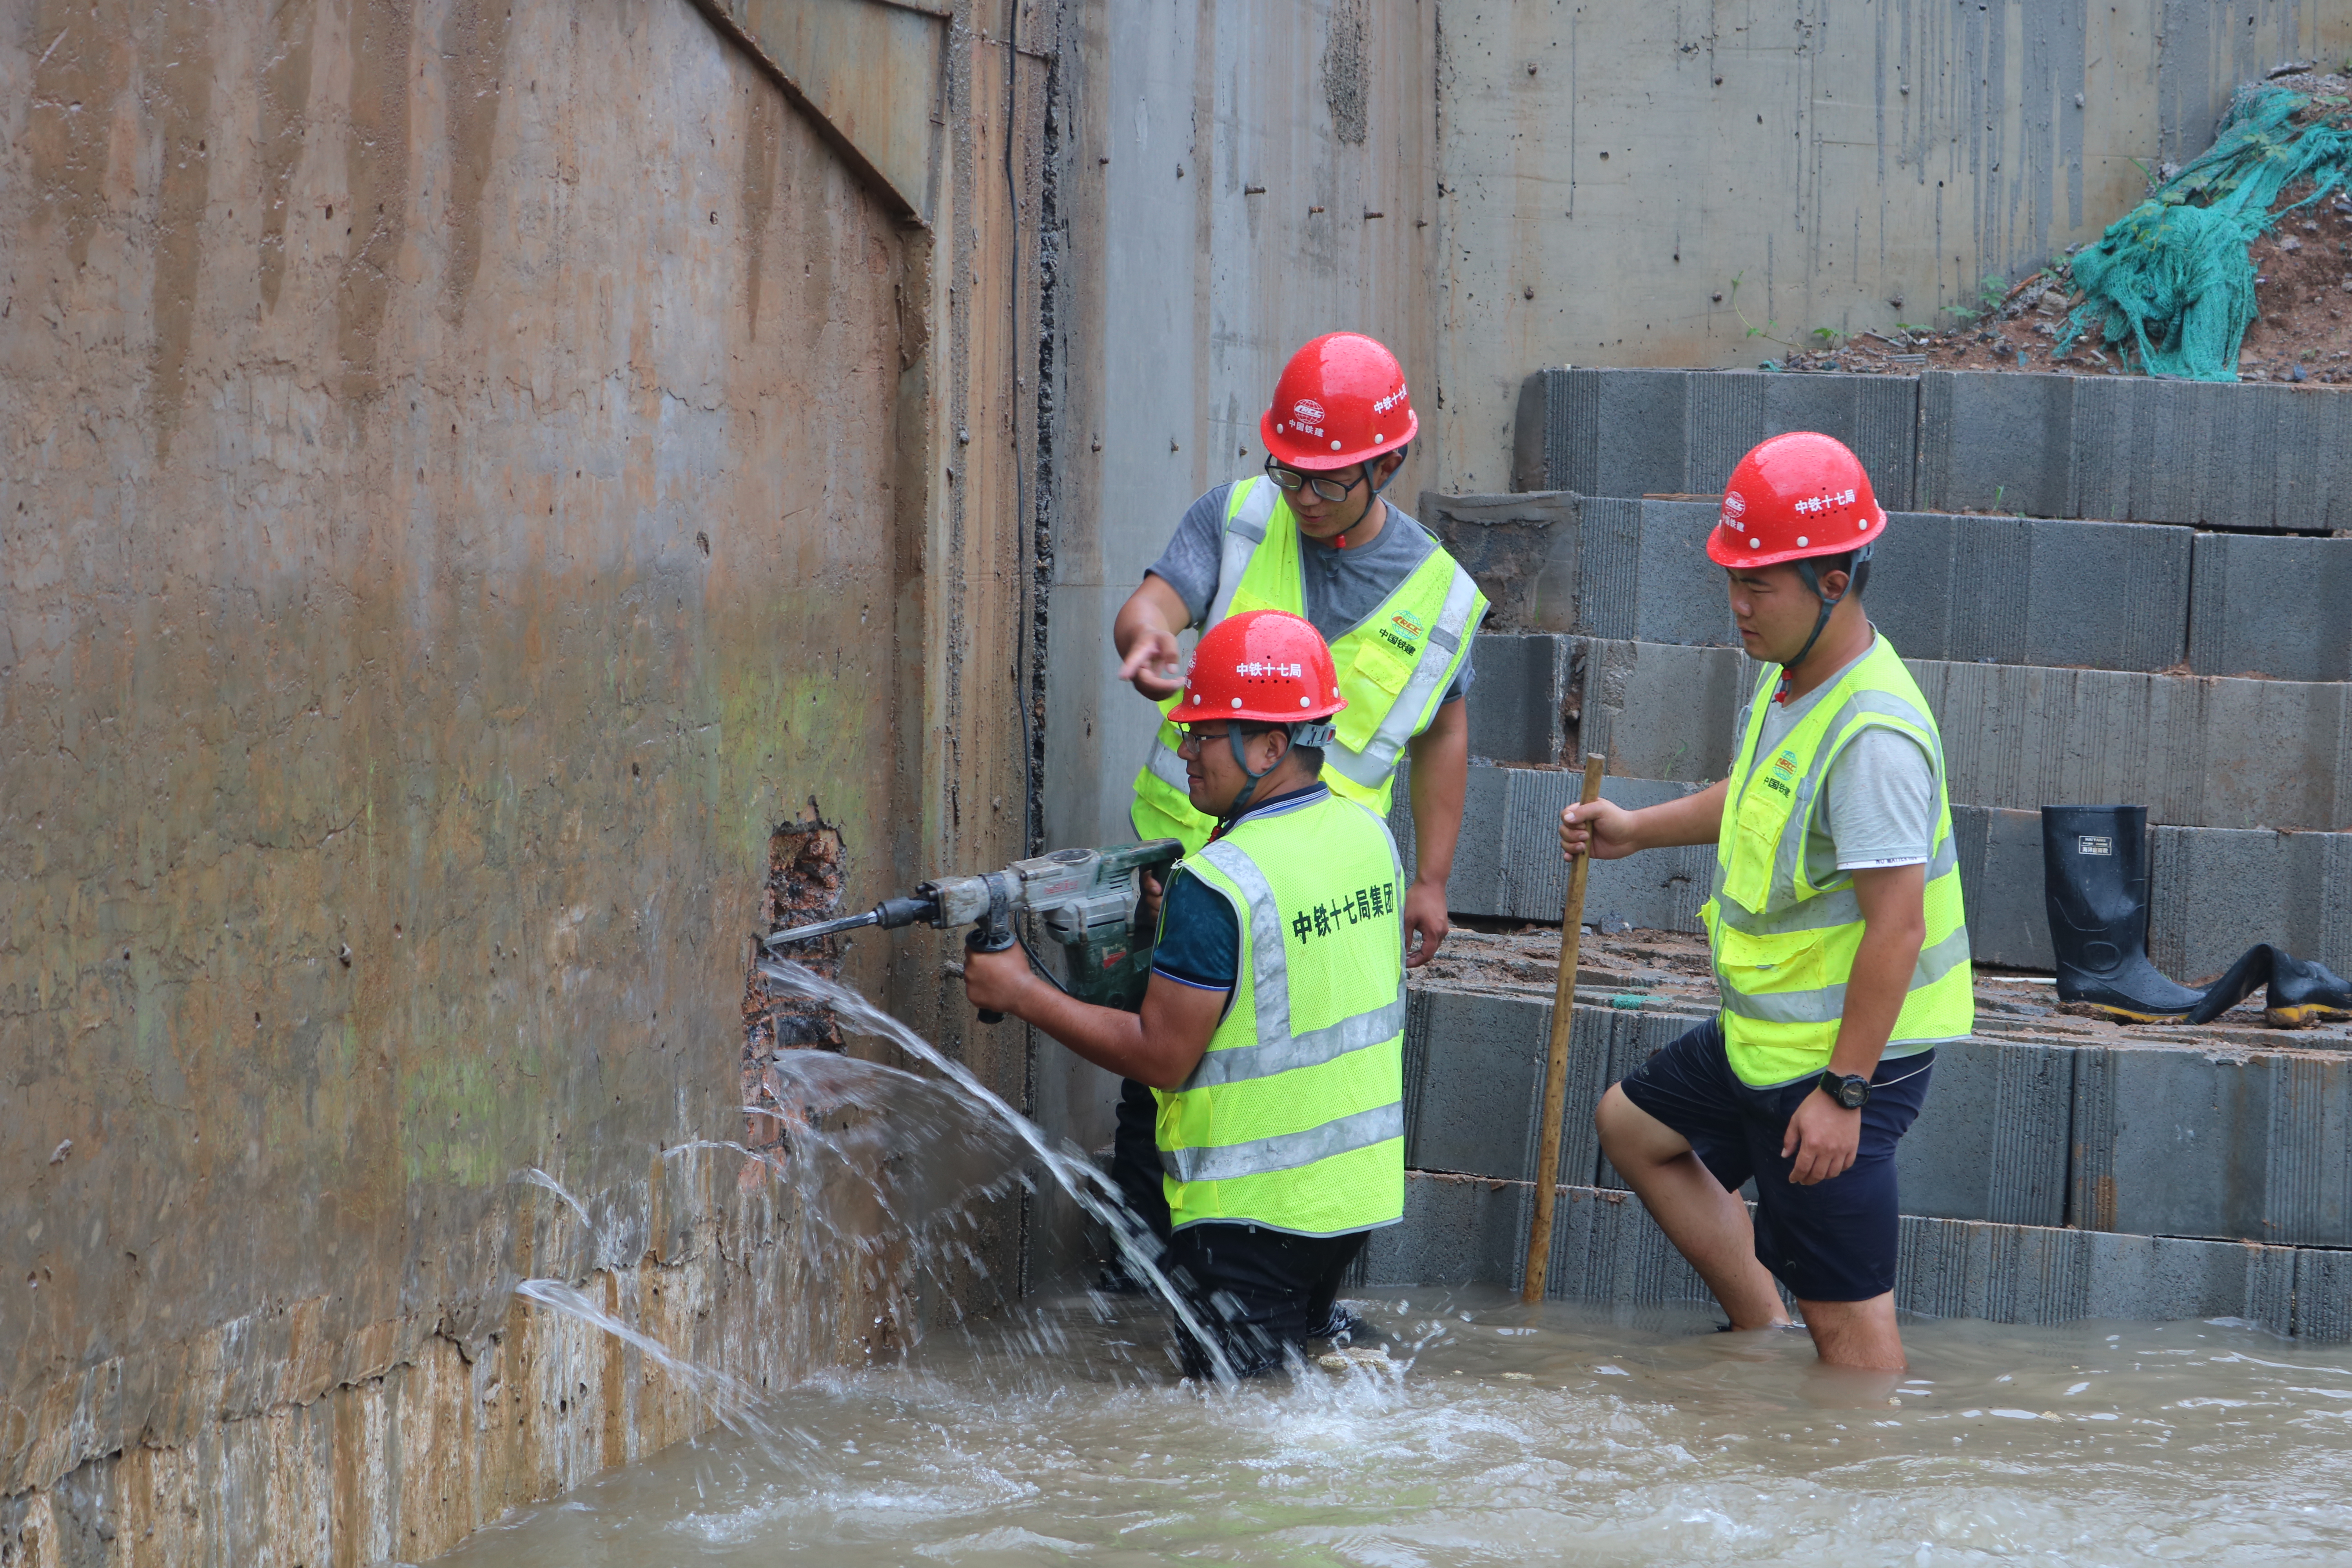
<point>1271,1033</point>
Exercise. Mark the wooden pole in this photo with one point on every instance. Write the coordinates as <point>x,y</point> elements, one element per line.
<point>1563,1019</point>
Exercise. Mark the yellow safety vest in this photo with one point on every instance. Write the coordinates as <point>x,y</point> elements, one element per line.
<point>1394,666</point>
<point>1783,947</point>
<point>1295,1117</point>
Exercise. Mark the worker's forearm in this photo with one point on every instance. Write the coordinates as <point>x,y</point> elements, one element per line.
<point>1121,1042</point>
<point>1874,994</point>
<point>1692,819</point>
<point>1439,780</point>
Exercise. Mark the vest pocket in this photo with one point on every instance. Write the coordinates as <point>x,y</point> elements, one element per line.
<point>1783,961</point>
<point>1374,668</point>
<point>1755,844</point>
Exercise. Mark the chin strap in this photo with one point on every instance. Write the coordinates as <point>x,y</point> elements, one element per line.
<point>1315,732</point>
<point>1856,579</point>
<point>1241,802</point>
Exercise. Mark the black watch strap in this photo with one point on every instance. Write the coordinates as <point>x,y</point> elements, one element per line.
<point>1849,1090</point>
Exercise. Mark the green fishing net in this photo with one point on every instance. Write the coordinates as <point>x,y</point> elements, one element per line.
<point>2171,278</point>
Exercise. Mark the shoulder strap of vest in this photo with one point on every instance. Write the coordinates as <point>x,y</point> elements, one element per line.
<point>1249,509</point>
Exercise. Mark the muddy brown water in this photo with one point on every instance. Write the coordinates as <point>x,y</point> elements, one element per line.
<point>1498,1433</point>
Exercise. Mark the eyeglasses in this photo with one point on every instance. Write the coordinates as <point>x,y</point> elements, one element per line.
<point>1291,480</point>
<point>1190,738</point>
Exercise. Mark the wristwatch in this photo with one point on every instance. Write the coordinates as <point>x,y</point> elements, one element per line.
<point>1849,1090</point>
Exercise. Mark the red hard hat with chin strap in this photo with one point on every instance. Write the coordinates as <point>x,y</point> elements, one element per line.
<point>1264,667</point>
<point>1793,497</point>
<point>1341,401</point>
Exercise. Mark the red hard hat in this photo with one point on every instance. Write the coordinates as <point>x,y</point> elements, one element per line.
<point>1341,401</point>
<point>1265,665</point>
<point>1792,496</point>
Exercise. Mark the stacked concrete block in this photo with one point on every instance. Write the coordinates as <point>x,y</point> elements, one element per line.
<point>1474,1071</point>
<point>1992,1142</point>
<point>1999,442</point>
<point>2028,1274</point>
<point>1655,432</point>
<point>1522,547</point>
<point>2001,887</point>
<point>1519,702</point>
<point>2016,590</point>
<point>2259,457</point>
<point>2214,892</point>
<point>2272,606</point>
<point>2195,752</point>
<point>2255,1145</point>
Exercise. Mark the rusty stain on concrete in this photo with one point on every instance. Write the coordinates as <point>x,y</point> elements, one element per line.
<point>284,109</point>
<point>375,186</point>
<point>473,43</point>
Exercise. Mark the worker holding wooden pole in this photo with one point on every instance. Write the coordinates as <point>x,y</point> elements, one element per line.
<point>1839,949</point>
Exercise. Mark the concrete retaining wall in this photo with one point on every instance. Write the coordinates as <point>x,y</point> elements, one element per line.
<point>1463,1230</point>
<point>2120,448</point>
<point>472,471</point>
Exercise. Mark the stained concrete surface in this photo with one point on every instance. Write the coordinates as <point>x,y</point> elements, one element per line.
<point>471,473</point>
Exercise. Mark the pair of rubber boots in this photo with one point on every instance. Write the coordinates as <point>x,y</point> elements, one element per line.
<point>2094,880</point>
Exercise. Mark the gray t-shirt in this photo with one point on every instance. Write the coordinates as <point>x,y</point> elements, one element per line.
<point>1341,587</point>
<point>1878,805</point>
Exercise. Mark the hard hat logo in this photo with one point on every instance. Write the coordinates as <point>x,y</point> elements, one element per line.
<point>1735,507</point>
<point>1341,400</point>
<point>1263,665</point>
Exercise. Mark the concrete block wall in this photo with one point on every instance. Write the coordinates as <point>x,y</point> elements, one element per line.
<point>1466,1230</point>
<point>2086,595</point>
<point>2199,751</point>
<point>2119,449</point>
<point>2226,1143</point>
<point>2214,892</point>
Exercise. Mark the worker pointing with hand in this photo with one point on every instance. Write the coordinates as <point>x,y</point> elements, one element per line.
<point>1313,536</point>
<point>1839,949</point>
<point>1271,1036</point>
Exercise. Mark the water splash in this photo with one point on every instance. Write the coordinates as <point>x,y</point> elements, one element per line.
<point>736,1404</point>
<point>1092,1191</point>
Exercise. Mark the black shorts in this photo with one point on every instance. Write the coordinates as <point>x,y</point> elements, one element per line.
<point>1833,1241</point>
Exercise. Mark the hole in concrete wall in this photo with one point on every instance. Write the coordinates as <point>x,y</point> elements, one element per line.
<point>803,884</point>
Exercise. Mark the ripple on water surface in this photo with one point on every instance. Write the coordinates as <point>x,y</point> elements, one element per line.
<point>1500,1435</point>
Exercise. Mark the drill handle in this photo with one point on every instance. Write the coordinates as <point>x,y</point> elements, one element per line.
<point>992,933</point>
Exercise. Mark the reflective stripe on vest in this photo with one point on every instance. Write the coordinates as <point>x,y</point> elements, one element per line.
<point>1785,948</point>
<point>1439,599</point>
<point>1300,1129</point>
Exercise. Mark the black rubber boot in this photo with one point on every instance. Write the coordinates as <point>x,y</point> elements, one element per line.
<point>2304,994</point>
<point>2094,883</point>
